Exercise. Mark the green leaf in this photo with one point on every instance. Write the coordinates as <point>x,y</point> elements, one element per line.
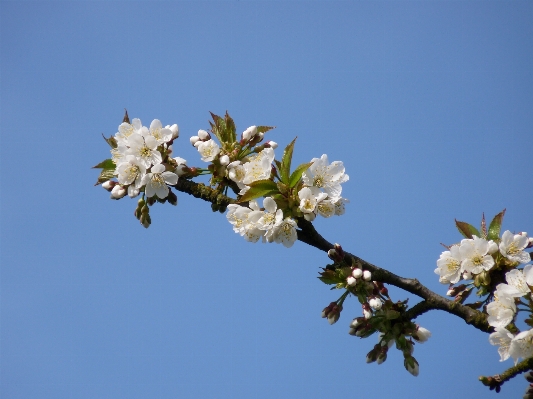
<point>264,129</point>
<point>111,141</point>
<point>297,174</point>
<point>229,129</point>
<point>495,226</point>
<point>105,175</point>
<point>108,164</point>
<point>258,189</point>
<point>392,314</point>
<point>285,168</point>
<point>467,230</point>
<point>216,127</point>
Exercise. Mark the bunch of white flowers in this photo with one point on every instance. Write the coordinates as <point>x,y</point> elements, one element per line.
<point>138,156</point>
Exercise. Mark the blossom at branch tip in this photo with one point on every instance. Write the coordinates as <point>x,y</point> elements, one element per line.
<point>474,253</point>
<point>269,218</point>
<point>259,167</point>
<point>208,150</point>
<point>125,130</point>
<point>340,206</point>
<point>326,176</point>
<point>502,338</point>
<point>156,181</point>
<point>512,247</point>
<point>309,197</point>
<point>449,266</point>
<point>517,282</point>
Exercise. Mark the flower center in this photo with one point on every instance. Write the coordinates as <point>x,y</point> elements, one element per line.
<point>452,265</point>
<point>318,182</point>
<point>157,180</point>
<point>477,260</point>
<point>145,152</point>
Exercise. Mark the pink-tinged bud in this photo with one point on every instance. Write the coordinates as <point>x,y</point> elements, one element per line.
<point>421,335</point>
<point>224,160</point>
<point>367,313</point>
<point>328,309</point>
<point>372,356</point>
<point>357,273</point>
<point>351,281</point>
<point>332,254</point>
<point>203,135</point>
<point>181,170</point>
<point>367,276</point>
<point>175,131</point>
<point>108,185</point>
<point>271,144</point>
<point>118,192</point>
<point>453,291</point>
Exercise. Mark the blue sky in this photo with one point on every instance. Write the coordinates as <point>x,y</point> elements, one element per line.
<point>428,104</point>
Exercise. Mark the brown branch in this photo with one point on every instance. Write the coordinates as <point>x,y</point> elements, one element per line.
<point>496,381</point>
<point>310,236</point>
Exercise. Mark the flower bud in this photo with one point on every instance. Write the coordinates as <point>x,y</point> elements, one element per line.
<point>357,273</point>
<point>197,144</point>
<point>224,160</point>
<point>175,131</point>
<point>372,356</point>
<point>367,276</point>
<point>133,191</point>
<point>203,135</point>
<point>453,291</point>
<point>493,247</point>
<point>529,377</point>
<point>181,170</point>
<point>421,335</point>
<point>367,313</point>
<point>249,133</point>
<point>108,185</point>
<point>375,303</point>
<point>194,139</point>
<point>172,198</point>
<point>328,309</point>
<point>351,281</point>
<point>118,192</point>
<point>339,250</point>
<point>271,144</point>
<point>530,242</point>
<point>411,365</point>
<point>382,355</point>
<point>309,216</point>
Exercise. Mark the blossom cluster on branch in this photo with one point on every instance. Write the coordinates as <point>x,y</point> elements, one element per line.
<point>142,164</point>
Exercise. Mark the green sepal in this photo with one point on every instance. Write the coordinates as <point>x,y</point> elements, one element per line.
<point>392,314</point>
<point>495,226</point>
<point>467,230</point>
<point>107,164</point>
<point>264,129</point>
<point>111,141</point>
<point>297,174</point>
<point>258,189</point>
<point>105,175</point>
<point>285,167</point>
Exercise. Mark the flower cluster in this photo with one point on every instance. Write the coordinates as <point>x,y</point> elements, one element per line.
<point>484,260</point>
<point>141,162</point>
<point>380,313</point>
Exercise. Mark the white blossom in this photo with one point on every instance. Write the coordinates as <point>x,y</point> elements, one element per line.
<point>327,177</point>
<point>522,346</point>
<point>156,181</point>
<point>502,310</point>
<point>174,129</point>
<point>474,253</point>
<point>208,150</point>
<point>259,166</point>
<point>125,130</point>
<point>158,132</point>
<point>340,206</point>
<point>502,338</point>
<point>131,171</point>
<point>449,266</point>
<point>145,149</point>
<point>309,198</point>
<point>269,218</point>
<point>285,232</point>
<point>512,247</point>
<point>517,285</point>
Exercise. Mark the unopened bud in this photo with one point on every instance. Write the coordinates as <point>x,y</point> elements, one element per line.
<point>194,139</point>
<point>357,273</point>
<point>175,131</point>
<point>118,192</point>
<point>108,185</point>
<point>351,281</point>
<point>172,198</point>
<point>453,291</point>
<point>367,276</point>
<point>203,135</point>
<point>530,242</point>
<point>249,133</point>
<point>271,144</point>
<point>421,335</point>
<point>371,356</point>
<point>493,247</point>
<point>339,249</point>
<point>334,255</point>
<point>309,216</point>
<point>375,303</point>
<point>224,160</point>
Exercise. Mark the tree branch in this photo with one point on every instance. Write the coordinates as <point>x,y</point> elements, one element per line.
<point>310,236</point>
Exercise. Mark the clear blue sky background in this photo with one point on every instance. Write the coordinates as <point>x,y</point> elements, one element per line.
<point>428,104</point>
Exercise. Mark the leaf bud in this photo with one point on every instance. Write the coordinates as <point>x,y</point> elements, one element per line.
<point>172,198</point>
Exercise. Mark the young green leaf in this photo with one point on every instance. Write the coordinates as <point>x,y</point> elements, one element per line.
<point>230,130</point>
<point>105,175</point>
<point>495,226</point>
<point>264,129</point>
<point>111,141</point>
<point>467,230</point>
<point>258,189</point>
<point>107,164</point>
<point>285,168</point>
<point>297,174</point>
